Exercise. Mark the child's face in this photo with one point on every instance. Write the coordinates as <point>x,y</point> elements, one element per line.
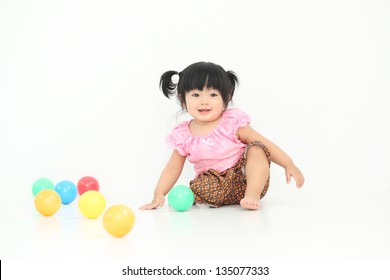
<point>205,105</point>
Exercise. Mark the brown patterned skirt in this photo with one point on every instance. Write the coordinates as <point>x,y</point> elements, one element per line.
<point>228,187</point>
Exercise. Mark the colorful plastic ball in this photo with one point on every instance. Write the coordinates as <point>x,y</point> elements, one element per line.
<point>42,184</point>
<point>118,220</point>
<point>87,183</point>
<point>67,191</point>
<point>181,198</point>
<point>92,204</point>
<point>47,202</point>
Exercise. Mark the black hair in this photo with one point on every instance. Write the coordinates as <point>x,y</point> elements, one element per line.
<point>198,76</point>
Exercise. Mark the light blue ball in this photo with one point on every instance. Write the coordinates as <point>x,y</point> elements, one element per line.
<point>67,191</point>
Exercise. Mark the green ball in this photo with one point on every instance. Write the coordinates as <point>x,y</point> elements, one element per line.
<point>42,184</point>
<point>181,198</point>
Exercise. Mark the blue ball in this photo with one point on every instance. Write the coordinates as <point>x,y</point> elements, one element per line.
<point>67,191</point>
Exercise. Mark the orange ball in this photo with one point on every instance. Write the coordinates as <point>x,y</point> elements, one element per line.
<point>118,220</point>
<point>47,202</point>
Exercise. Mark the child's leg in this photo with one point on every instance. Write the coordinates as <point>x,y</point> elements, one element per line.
<point>257,175</point>
<point>211,187</point>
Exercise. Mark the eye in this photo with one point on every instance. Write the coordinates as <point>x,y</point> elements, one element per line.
<point>214,94</point>
<point>195,94</point>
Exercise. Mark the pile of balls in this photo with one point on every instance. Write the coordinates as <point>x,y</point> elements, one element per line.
<point>118,220</point>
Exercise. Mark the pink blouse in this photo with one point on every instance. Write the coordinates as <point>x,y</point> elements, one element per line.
<point>219,150</point>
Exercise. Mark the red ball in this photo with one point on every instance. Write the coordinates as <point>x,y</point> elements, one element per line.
<point>87,183</point>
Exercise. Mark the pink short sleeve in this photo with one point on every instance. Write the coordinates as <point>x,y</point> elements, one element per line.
<point>178,138</point>
<point>233,119</point>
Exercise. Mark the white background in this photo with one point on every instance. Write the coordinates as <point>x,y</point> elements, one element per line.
<point>79,88</point>
<point>79,96</point>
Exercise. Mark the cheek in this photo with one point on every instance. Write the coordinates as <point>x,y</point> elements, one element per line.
<point>221,104</point>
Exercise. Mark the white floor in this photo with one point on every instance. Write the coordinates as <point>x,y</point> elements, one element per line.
<point>292,224</point>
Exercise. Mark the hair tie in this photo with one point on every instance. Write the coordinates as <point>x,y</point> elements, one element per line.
<point>175,78</point>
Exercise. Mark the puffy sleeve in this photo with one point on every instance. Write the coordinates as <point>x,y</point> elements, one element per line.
<point>179,138</point>
<point>232,120</point>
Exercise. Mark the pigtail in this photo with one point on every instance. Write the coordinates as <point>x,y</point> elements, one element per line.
<point>167,86</point>
<point>233,80</point>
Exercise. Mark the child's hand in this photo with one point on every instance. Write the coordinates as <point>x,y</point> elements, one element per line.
<point>158,201</point>
<point>293,171</point>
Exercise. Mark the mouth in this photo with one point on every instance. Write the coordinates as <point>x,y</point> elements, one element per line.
<point>204,111</point>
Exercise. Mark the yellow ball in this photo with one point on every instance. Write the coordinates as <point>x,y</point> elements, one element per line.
<point>92,204</point>
<point>118,220</point>
<point>47,202</point>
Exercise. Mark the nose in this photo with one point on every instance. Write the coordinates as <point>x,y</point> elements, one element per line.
<point>204,100</point>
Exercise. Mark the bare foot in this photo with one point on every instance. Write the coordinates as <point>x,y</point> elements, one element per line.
<point>249,202</point>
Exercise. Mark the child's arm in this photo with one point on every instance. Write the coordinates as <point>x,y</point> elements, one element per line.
<point>247,135</point>
<point>168,178</point>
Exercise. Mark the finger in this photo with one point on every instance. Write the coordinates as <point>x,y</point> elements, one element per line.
<point>149,206</point>
<point>154,205</point>
<point>288,178</point>
<point>158,203</point>
<point>299,181</point>
<point>145,207</point>
<point>296,181</point>
<point>302,181</point>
